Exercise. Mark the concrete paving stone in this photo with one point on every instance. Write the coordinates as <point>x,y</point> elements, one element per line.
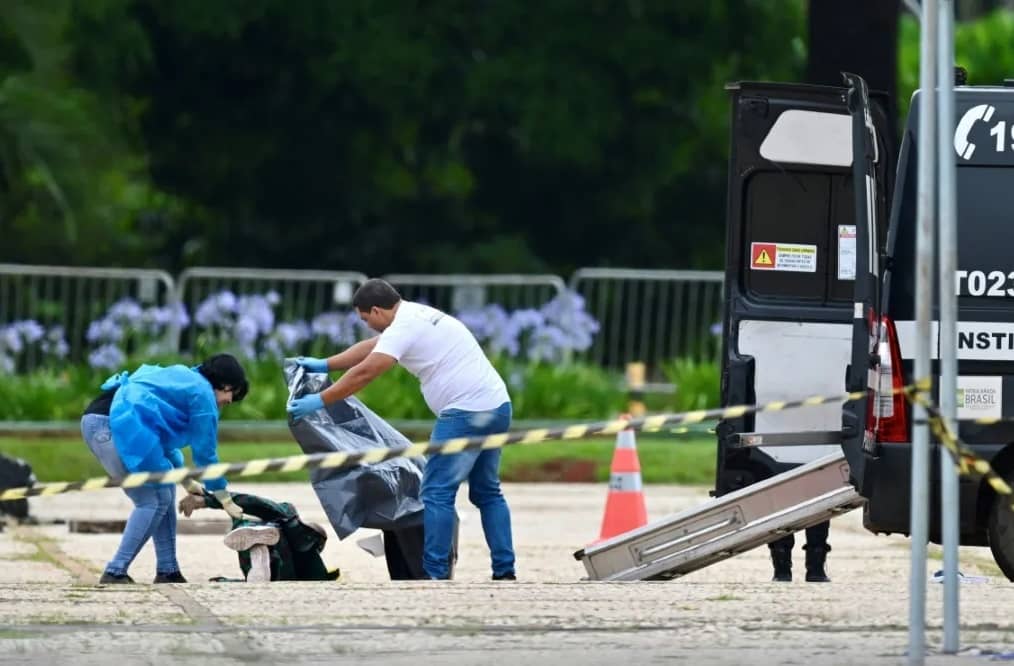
<point>729,613</point>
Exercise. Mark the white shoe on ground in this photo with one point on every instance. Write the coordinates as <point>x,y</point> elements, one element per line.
<point>244,538</point>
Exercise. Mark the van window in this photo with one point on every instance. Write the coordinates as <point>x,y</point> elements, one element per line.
<point>986,236</point>
<point>985,278</point>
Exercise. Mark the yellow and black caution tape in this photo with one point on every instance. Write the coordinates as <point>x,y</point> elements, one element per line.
<point>342,460</point>
<point>964,458</point>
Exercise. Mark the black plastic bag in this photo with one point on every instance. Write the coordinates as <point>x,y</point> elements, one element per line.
<point>15,473</point>
<point>383,495</point>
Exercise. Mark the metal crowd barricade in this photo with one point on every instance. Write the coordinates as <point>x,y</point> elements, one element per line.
<point>303,294</point>
<point>645,315</point>
<point>456,292</point>
<point>74,297</point>
<point>651,315</point>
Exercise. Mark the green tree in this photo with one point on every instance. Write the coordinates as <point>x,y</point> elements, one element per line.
<point>68,180</point>
<point>981,46</point>
<point>440,135</point>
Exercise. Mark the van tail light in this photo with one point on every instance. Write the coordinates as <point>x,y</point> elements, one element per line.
<point>886,416</point>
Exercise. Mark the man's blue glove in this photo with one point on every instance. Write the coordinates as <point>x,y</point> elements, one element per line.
<point>310,363</point>
<point>308,404</point>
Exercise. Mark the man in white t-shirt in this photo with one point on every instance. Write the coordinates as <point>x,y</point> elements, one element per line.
<point>459,385</point>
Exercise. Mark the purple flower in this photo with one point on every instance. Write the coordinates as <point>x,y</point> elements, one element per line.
<point>258,310</point>
<point>505,339</point>
<point>292,334</point>
<point>477,322</point>
<point>542,334</point>
<point>124,311</point>
<point>104,330</point>
<point>30,330</point>
<point>330,325</point>
<point>176,313</point>
<point>216,310</point>
<point>10,340</point>
<point>484,323</point>
<point>339,328</point>
<point>525,319</point>
<point>246,331</point>
<point>153,320</point>
<point>55,343</point>
<point>566,312</point>
<point>547,343</point>
<point>6,365</point>
<point>107,357</point>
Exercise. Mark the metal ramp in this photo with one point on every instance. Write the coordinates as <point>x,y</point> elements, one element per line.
<point>726,526</point>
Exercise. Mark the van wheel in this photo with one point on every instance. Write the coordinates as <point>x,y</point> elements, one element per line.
<point>1001,530</point>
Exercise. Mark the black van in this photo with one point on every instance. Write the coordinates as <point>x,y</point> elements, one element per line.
<point>820,294</point>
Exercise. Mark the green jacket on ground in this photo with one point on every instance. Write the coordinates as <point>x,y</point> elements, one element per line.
<point>296,556</point>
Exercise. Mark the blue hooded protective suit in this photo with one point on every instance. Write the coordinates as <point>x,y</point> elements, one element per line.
<point>157,411</point>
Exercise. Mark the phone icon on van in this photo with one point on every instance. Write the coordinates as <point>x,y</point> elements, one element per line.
<point>962,145</point>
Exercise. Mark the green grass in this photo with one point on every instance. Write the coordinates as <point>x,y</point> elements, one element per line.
<point>677,459</point>
<point>686,459</point>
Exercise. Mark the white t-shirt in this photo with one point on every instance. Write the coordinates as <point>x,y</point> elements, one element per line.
<point>453,371</point>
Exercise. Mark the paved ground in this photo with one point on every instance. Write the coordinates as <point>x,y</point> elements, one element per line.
<point>51,610</point>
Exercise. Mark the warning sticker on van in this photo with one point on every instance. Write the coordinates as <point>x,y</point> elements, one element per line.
<point>790,257</point>
<point>980,397</point>
<point>846,252</point>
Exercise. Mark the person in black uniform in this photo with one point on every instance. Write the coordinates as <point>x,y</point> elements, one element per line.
<point>816,549</point>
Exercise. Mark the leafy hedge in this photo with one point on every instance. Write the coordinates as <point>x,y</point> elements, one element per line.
<point>538,391</point>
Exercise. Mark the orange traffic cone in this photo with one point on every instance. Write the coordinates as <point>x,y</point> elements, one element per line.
<point>625,504</point>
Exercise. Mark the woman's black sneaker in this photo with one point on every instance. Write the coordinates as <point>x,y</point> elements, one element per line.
<point>112,579</point>
<point>506,576</point>
<point>174,577</point>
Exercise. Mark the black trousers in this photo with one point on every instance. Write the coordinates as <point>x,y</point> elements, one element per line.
<point>403,550</point>
<point>815,536</point>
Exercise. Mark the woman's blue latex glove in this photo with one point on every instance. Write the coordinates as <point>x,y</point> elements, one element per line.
<point>116,381</point>
<point>308,404</point>
<point>310,363</point>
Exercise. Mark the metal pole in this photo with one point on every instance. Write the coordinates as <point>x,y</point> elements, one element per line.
<point>948,252</point>
<point>925,236</point>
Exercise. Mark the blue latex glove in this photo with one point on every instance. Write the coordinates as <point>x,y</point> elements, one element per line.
<point>116,381</point>
<point>308,404</point>
<point>310,363</point>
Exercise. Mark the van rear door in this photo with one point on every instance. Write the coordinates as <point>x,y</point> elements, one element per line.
<point>865,364</point>
<point>792,249</point>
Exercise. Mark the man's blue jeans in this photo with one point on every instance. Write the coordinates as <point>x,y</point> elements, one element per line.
<point>443,475</point>
<point>154,514</point>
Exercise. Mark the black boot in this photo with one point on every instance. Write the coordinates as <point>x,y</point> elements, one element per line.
<point>815,557</point>
<point>781,558</point>
<point>174,577</point>
<point>114,579</point>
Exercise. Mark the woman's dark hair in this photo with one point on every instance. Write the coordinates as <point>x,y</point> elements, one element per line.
<point>375,293</point>
<point>223,371</point>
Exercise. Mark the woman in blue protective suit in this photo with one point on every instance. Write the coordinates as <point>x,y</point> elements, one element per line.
<point>139,424</point>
